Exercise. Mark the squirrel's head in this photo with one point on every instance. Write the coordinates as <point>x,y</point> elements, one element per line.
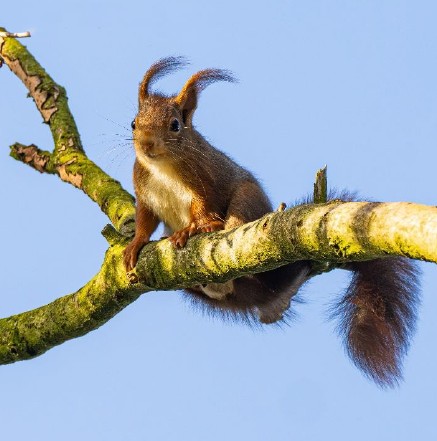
<point>163,123</point>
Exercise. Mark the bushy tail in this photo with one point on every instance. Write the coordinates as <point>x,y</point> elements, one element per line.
<point>377,316</point>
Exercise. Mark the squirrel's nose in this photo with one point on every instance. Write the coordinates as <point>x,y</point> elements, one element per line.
<point>146,140</point>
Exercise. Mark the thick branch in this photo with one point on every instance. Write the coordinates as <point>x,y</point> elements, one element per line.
<point>335,232</point>
<point>32,333</point>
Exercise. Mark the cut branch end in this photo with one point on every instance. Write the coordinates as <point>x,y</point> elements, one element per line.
<point>321,186</point>
<point>5,34</point>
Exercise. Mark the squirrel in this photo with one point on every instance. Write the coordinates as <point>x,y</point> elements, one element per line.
<point>181,180</point>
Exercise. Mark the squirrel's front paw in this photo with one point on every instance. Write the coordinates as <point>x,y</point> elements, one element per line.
<point>130,254</point>
<point>179,238</point>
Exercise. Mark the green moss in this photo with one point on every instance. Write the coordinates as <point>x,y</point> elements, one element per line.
<point>62,124</point>
<point>30,334</point>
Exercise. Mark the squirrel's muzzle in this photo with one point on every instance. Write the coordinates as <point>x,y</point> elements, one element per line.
<point>148,145</point>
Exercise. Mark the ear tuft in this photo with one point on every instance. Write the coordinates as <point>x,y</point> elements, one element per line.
<point>205,77</point>
<point>188,96</point>
<point>159,69</point>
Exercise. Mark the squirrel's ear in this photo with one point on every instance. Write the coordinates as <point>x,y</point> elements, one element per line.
<point>156,71</point>
<point>188,96</point>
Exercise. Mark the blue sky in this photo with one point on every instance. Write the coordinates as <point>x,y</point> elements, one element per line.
<point>350,84</point>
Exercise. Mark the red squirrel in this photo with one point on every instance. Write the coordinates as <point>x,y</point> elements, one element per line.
<point>186,183</point>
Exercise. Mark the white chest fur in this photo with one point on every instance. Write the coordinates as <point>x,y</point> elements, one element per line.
<point>167,196</point>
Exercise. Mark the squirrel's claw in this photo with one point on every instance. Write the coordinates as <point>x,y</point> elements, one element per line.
<point>131,252</point>
<point>179,238</point>
<point>209,227</point>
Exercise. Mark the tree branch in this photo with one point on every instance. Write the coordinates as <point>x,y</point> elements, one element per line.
<point>331,233</point>
<point>4,34</point>
<point>320,193</point>
<point>32,333</point>
<point>334,232</point>
<point>68,159</point>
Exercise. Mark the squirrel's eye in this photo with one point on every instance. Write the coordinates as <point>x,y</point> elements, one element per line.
<point>132,124</point>
<point>175,125</point>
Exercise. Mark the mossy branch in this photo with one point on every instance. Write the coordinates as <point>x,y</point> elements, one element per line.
<point>32,333</point>
<point>327,233</point>
<point>334,233</point>
<point>67,160</point>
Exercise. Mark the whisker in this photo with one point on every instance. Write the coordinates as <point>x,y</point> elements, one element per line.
<point>115,123</point>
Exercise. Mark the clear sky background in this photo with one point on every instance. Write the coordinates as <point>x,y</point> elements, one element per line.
<point>350,84</point>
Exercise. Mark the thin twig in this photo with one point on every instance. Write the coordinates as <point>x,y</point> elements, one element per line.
<point>15,34</point>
